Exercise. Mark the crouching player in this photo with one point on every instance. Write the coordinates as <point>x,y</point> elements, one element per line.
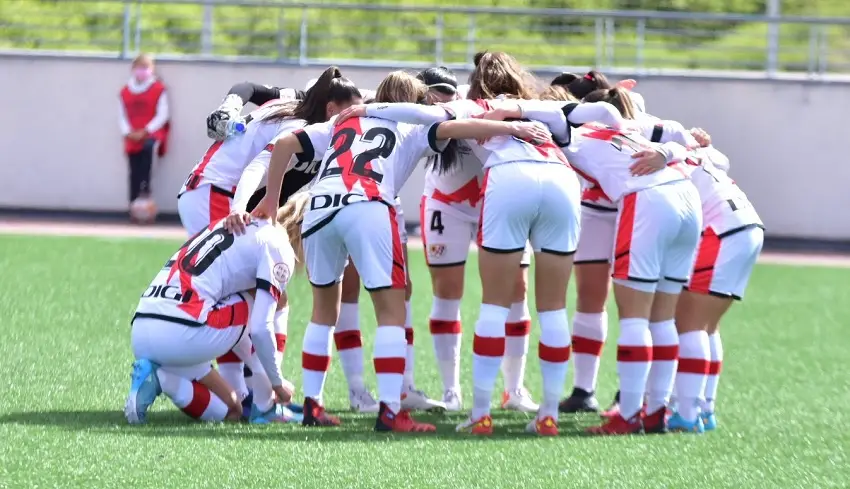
<point>198,307</point>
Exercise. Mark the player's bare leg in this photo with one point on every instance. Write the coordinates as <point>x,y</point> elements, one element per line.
<point>221,388</point>
<point>589,331</point>
<point>412,398</point>
<point>446,331</point>
<point>316,353</point>
<point>389,360</point>
<point>349,343</point>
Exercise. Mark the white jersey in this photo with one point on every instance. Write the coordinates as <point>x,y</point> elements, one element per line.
<point>215,264</point>
<point>603,155</point>
<point>224,161</point>
<point>725,206</point>
<point>503,149</point>
<point>363,159</point>
<point>457,191</point>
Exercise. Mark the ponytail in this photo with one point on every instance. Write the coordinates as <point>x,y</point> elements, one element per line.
<point>289,219</point>
<point>593,80</point>
<point>564,79</point>
<point>331,86</point>
<point>616,96</point>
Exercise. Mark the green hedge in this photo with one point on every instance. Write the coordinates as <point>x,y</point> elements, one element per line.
<point>272,32</point>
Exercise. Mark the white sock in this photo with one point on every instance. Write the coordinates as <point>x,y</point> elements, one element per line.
<point>281,326</point>
<point>315,359</point>
<point>694,354</point>
<point>589,333</point>
<point>634,350</point>
<point>488,348</point>
<point>554,353</point>
<point>191,397</point>
<point>232,370</point>
<point>390,349</point>
<point>408,336</point>
<point>517,330</point>
<point>445,327</point>
<point>349,345</point>
<point>662,374</point>
<point>714,368</point>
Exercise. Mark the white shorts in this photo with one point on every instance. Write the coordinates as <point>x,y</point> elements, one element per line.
<point>446,236</point>
<point>598,229</point>
<point>203,206</point>
<point>724,263</point>
<point>366,231</point>
<point>535,202</point>
<point>658,230</point>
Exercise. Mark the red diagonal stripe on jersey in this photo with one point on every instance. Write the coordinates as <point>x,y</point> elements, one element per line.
<point>470,191</point>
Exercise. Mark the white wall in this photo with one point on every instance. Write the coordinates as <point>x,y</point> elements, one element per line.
<point>60,147</point>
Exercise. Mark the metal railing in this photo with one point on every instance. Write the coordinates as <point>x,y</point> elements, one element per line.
<point>304,33</point>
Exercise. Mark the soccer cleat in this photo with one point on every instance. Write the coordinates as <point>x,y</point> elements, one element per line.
<point>548,426</point>
<point>616,425</point>
<point>709,421</point>
<point>519,400</point>
<point>277,414</point>
<point>480,426</point>
<point>452,400</point>
<point>295,408</point>
<point>248,404</point>
<point>655,423</point>
<point>580,401</point>
<point>678,424</point>
<point>400,422</point>
<point>314,414</point>
<point>144,389</point>
<point>362,401</point>
<point>614,409</point>
<point>416,400</point>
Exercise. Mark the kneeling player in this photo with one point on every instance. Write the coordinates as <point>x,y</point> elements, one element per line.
<point>199,307</point>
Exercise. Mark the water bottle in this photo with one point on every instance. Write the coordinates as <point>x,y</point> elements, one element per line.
<point>234,126</point>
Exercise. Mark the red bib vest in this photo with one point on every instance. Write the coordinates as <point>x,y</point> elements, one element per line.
<point>141,109</point>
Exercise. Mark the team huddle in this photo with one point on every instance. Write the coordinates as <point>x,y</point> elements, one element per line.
<point>578,175</point>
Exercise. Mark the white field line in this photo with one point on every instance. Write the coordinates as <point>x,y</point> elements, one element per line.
<point>119,231</point>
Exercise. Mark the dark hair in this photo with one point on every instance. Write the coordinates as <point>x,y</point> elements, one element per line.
<point>439,78</point>
<point>330,87</point>
<point>616,96</point>
<point>591,81</point>
<point>477,58</point>
<point>564,79</point>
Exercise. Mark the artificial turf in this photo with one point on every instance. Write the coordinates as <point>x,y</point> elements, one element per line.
<point>65,305</point>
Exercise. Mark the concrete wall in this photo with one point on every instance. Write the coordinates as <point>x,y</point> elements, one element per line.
<point>60,147</point>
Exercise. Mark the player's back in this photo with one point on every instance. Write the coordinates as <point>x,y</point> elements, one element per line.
<point>604,156</point>
<point>500,150</point>
<point>224,161</point>
<point>210,266</point>
<point>724,205</point>
<point>458,189</point>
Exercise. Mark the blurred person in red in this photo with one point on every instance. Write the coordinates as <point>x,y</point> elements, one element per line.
<point>144,122</point>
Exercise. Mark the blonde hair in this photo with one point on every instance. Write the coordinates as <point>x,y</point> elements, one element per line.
<point>557,93</point>
<point>142,58</point>
<point>497,74</point>
<point>400,86</point>
<point>289,219</point>
<point>618,97</point>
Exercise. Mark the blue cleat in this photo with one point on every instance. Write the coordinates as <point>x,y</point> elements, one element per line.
<point>277,414</point>
<point>144,389</point>
<point>709,421</point>
<point>295,408</point>
<point>677,423</point>
<point>247,404</point>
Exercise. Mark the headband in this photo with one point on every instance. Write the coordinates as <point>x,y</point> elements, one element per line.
<point>442,85</point>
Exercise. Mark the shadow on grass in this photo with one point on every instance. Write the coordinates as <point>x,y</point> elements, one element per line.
<point>355,427</point>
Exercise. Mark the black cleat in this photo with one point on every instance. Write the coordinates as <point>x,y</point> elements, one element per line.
<point>314,414</point>
<point>580,401</point>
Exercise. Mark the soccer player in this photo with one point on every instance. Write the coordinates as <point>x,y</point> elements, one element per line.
<point>197,308</point>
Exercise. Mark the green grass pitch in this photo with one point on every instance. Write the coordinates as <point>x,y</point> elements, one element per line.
<point>65,362</point>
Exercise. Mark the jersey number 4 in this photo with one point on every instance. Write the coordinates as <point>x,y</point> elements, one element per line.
<point>342,141</point>
<point>203,249</point>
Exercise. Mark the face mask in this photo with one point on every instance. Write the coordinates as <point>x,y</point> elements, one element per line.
<point>143,74</point>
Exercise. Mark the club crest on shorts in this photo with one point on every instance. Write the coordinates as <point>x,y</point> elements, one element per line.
<point>436,250</point>
<point>281,272</point>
